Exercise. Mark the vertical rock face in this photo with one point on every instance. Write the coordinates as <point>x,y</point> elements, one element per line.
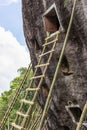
<point>70,91</point>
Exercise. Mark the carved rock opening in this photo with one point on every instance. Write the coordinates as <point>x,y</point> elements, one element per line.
<point>65,128</point>
<point>35,43</point>
<point>37,46</point>
<point>75,112</point>
<point>65,67</point>
<point>51,20</point>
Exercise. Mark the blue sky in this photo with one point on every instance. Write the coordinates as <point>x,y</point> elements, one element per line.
<point>13,51</point>
<point>11,18</point>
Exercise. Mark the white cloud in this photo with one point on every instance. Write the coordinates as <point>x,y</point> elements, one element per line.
<point>7,2</point>
<point>12,56</point>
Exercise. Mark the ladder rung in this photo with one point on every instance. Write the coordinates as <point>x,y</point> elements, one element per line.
<point>17,126</point>
<point>42,65</point>
<point>50,42</point>
<point>32,89</point>
<point>53,34</point>
<point>40,76</point>
<point>21,114</point>
<point>46,53</point>
<point>26,101</point>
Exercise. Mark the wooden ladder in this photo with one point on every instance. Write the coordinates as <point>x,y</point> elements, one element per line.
<point>7,114</point>
<point>22,119</point>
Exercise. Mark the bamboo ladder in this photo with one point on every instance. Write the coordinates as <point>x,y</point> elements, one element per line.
<point>7,114</point>
<point>25,117</point>
<point>49,98</point>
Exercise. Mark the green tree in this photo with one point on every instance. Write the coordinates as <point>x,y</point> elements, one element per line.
<point>7,96</point>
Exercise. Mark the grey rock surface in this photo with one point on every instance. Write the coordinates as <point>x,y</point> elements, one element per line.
<point>71,84</point>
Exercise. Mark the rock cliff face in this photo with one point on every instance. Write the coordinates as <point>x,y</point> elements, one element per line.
<point>70,91</point>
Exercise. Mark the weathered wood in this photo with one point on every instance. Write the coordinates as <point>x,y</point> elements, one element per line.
<point>46,53</point>
<point>32,89</point>
<point>37,77</point>
<point>41,65</point>
<point>17,126</point>
<point>50,42</point>
<point>21,114</point>
<point>53,34</point>
<point>27,102</point>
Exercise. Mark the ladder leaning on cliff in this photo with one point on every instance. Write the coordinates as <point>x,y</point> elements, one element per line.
<point>7,114</point>
<point>26,117</point>
<point>57,69</point>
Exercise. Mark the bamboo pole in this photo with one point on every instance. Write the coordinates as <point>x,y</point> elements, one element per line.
<point>58,66</point>
<point>82,117</point>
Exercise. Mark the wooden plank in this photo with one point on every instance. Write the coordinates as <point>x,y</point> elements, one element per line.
<point>46,53</point>
<point>32,89</point>
<point>53,34</point>
<point>41,65</point>
<point>50,42</point>
<point>37,77</point>
<point>17,126</point>
<point>27,102</point>
<point>21,114</point>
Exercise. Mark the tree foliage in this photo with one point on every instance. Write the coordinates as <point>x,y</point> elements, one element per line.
<point>7,96</point>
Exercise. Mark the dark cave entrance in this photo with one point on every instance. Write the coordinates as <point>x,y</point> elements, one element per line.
<point>75,112</point>
<point>51,21</point>
<point>65,68</point>
<point>65,128</point>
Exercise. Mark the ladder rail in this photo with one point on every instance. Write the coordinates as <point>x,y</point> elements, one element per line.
<point>32,117</point>
<point>33,122</point>
<point>36,125</point>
